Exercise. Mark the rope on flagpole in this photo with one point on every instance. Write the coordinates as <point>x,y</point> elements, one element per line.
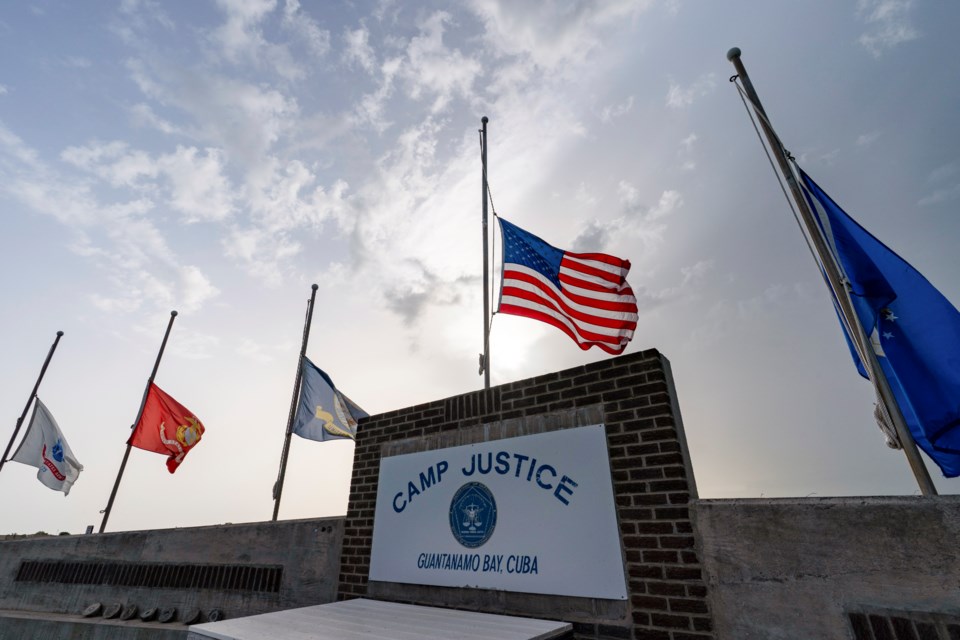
<point>881,412</point>
<point>793,210</point>
<point>493,241</point>
<point>493,209</point>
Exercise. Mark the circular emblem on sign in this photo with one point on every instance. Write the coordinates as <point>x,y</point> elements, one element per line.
<point>473,515</point>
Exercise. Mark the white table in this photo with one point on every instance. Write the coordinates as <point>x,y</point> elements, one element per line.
<point>363,619</point>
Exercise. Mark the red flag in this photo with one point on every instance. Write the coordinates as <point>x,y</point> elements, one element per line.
<point>166,427</point>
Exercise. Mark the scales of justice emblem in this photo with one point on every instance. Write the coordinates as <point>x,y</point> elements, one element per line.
<point>473,515</point>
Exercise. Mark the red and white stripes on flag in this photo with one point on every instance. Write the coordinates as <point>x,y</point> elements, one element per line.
<point>585,295</point>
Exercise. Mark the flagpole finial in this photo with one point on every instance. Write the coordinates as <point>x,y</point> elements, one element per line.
<point>733,53</point>
<point>484,119</point>
<point>59,334</point>
<point>173,314</point>
<point>314,286</point>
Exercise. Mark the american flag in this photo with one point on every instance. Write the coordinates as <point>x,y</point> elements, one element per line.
<point>585,295</point>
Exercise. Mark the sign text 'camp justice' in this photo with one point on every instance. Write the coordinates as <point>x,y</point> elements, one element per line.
<point>533,514</point>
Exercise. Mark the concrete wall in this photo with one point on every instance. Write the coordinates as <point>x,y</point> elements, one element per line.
<point>633,397</point>
<point>832,568</point>
<point>18,626</point>
<point>306,553</point>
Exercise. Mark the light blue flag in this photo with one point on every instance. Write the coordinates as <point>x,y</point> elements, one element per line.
<point>914,330</point>
<point>324,413</point>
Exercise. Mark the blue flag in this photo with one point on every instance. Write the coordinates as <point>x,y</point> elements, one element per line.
<point>324,413</point>
<point>913,329</point>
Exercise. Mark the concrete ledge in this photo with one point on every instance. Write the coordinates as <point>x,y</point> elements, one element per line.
<point>797,567</point>
<point>60,626</point>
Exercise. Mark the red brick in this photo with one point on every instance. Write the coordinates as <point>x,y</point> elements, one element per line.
<point>669,621</point>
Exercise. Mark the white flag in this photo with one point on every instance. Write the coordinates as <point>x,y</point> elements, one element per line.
<point>45,448</point>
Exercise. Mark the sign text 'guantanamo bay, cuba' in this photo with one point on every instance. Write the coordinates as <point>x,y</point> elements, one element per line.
<point>532,514</point>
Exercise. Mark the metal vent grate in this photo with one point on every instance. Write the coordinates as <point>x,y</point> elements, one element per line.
<point>903,625</point>
<point>154,575</point>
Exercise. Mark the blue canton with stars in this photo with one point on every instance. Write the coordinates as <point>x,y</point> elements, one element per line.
<point>523,248</point>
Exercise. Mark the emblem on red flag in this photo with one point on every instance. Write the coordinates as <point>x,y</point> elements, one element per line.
<point>153,434</point>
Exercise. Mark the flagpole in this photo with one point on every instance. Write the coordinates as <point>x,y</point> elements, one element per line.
<point>485,362</point>
<point>842,295</point>
<point>143,401</point>
<point>33,394</point>
<point>278,487</point>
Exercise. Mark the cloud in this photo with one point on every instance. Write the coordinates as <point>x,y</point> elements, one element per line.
<point>243,119</point>
<point>196,184</point>
<point>198,187</point>
<point>255,351</point>
<point>240,38</point>
<point>136,16</point>
<point>593,239</point>
<point>679,97</point>
<point>826,157</point>
<point>77,62</point>
<point>118,237</point>
<point>638,220</point>
<point>611,112</point>
<point>358,48</point>
<point>728,317</point>
<point>306,29</point>
<point>264,255</point>
<point>690,277</point>
<point>286,196</point>
<point>143,115</point>
<point>552,33</point>
<point>584,196</point>
<point>193,345</point>
<point>113,162</point>
<point>3,90</point>
<point>195,288</point>
<point>687,162</point>
<point>939,196</point>
<point>370,109</point>
<point>404,179</point>
<point>27,179</point>
<point>433,68</point>
<point>420,288</point>
<point>946,172</point>
<point>185,288</point>
<point>889,24</point>
<point>668,202</point>
<point>866,139</point>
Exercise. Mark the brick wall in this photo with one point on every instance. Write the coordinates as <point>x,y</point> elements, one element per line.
<point>634,397</point>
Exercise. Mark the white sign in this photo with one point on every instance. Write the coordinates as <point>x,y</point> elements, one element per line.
<point>533,514</point>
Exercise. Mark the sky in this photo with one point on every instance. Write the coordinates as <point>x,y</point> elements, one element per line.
<point>220,157</point>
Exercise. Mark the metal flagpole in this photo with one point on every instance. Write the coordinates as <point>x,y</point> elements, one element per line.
<point>842,294</point>
<point>143,402</point>
<point>33,394</point>
<point>485,358</point>
<point>278,487</point>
